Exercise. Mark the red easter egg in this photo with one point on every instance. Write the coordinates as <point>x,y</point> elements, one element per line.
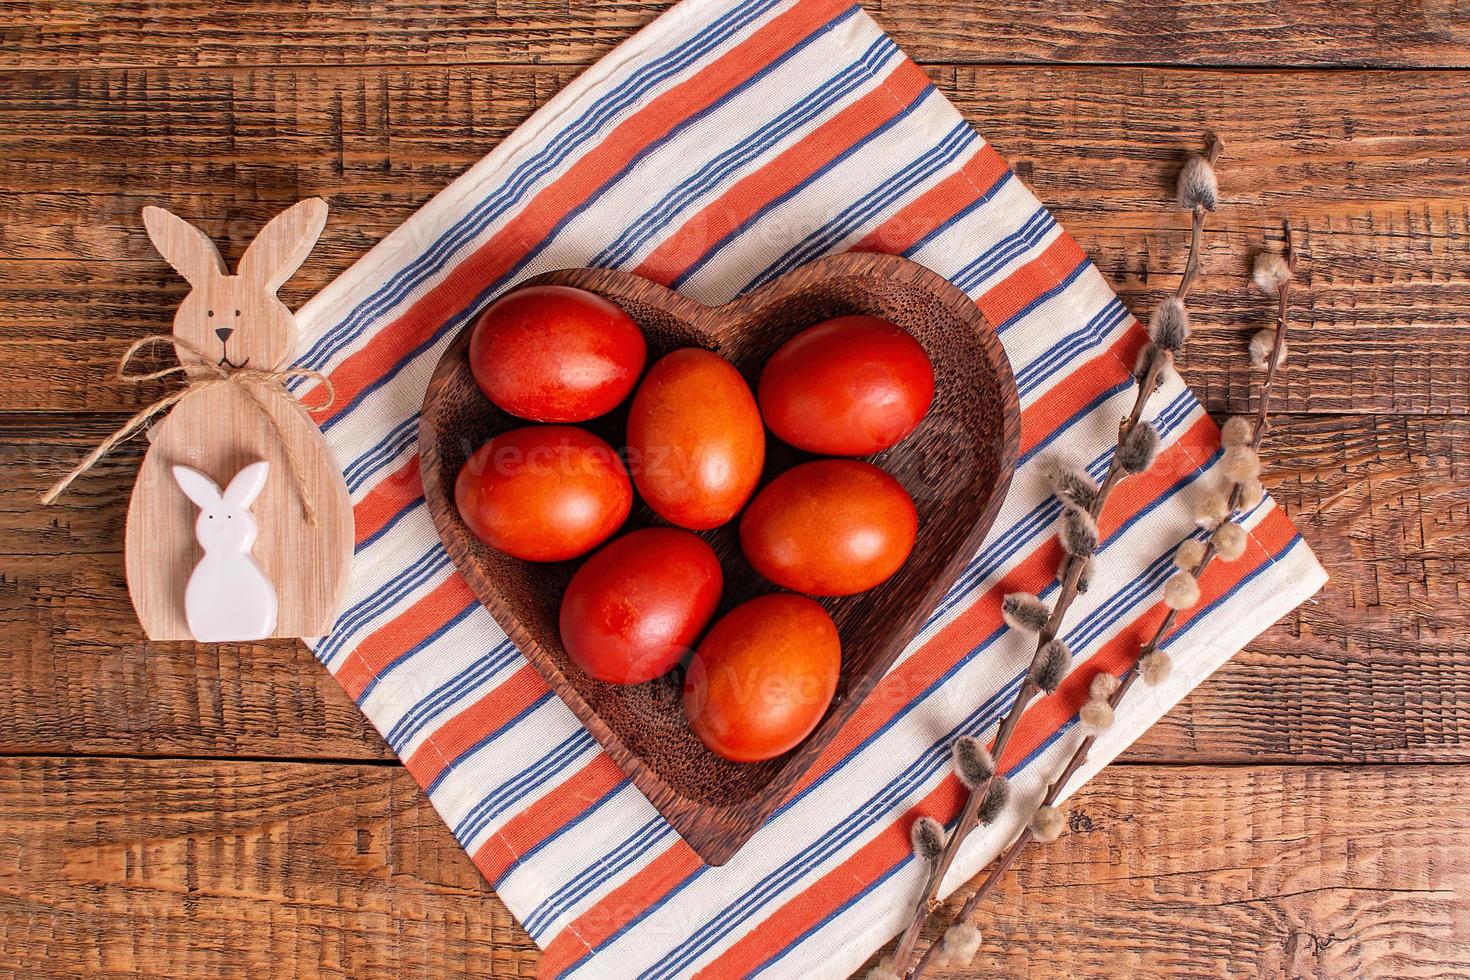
<point>556,354</point>
<point>852,386</point>
<point>544,492</point>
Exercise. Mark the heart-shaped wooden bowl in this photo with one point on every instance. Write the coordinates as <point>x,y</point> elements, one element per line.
<point>957,465</point>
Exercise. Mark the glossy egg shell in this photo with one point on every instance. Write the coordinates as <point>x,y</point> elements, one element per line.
<point>634,608</point>
<point>695,440</point>
<point>763,677</point>
<point>830,527</point>
<point>544,492</point>
<point>850,386</point>
<point>556,354</point>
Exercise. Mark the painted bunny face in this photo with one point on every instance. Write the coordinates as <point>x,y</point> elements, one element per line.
<point>237,320</point>
<point>225,523</point>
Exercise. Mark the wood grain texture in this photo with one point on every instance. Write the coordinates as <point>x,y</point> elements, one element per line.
<point>117,867</point>
<point>1259,872</point>
<point>234,869</point>
<point>1379,206</point>
<point>196,34</point>
<point>228,112</point>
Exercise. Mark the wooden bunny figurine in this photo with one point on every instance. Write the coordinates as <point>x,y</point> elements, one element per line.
<point>234,337</point>
<point>229,596</point>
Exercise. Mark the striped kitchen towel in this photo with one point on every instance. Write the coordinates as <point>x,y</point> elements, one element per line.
<point>726,144</point>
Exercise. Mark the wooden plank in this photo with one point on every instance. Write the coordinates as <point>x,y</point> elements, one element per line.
<point>81,677</point>
<point>228,868</point>
<point>1259,872</point>
<point>1379,206</point>
<point>1374,671</point>
<point>194,33</point>
<point>117,867</point>
<point>1382,501</point>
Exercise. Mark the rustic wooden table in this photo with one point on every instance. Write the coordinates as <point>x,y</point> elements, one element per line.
<point>171,809</point>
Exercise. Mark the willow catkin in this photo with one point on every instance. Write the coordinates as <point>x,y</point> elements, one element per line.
<point>1084,577</point>
<point>972,762</point>
<point>995,799</point>
<point>1079,533</point>
<point>1168,328</point>
<point>1190,553</point>
<point>1262,343</point>
<point>958,947</point>
<point>1071,484</point>
<point>1181,591</point>
<point>1210,508</point>
<point>1139,446</point>
<point>1050,666</point>
<point>1023,611</point>
<point>1270,273</point>
<point>1240,464</point>
<point>1251,494</point>
<point>1047,824</point>
<point>1198,185</point>
<point>883,970</point>
<point>1229,541</point>
<point>1103,686</point>
<point>1152,360</point>
<point>927,837</point>
<point>1096,716</point>
<point>1237,431</point>
<point>1155,668</point>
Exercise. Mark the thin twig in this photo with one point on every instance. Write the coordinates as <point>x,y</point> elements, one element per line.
<point>1070,575</point>
<point>1079,757</point>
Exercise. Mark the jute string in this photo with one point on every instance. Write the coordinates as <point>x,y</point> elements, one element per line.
<point>252,383</point>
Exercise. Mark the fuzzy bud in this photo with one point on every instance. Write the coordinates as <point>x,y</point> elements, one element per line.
<point>1139,447</point>
<point>1156,668</point>
<point>1198,185</point>
<point>1050,665</point>
<point>958,947</point>
<point>1096,716</point>
<point>1237,431</point>
<point>1261,344</point>
<point>1084,578</point>
<point>927,836</point>
<point>884,971</point>
<point>1270,273</point>
<point>1191,552</point>
<point>1251,494</point>
<point>1169,326</point>
<point>1079,533</point>
<point>1103,686</point>
<point>972,762</point>
<point>1240,464</point>
<point>1072,485</point>
<point>1229,541</point>
<point>1181,591</point>
<point>995,799</point>
<point>1211,508</point>
<point>1023,611</point>
<point>1047,824</point>
<point>1152,359</point>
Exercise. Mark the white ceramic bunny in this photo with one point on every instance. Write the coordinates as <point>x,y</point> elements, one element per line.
<point>229,598</point>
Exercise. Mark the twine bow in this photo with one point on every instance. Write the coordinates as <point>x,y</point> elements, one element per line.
<point>207,375</point>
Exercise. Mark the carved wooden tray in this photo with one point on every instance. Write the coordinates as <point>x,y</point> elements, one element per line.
<point>957,465</point>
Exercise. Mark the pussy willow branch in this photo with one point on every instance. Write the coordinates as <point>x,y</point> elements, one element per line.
<point>1070,575</point>
<point>1079,757</point>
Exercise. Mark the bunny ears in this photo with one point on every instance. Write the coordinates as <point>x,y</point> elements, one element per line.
<point>275,255</point>
<point>241,492</point>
